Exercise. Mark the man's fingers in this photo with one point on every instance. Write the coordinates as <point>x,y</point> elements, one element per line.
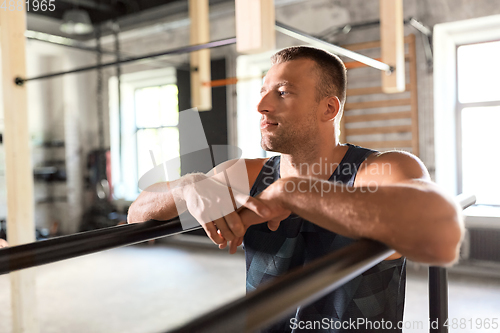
<point>225,231</point>
<point>223,245</point>
<point>212,233</point>
<point>233,246</point>
<point>273,225</point>
<point>256,206</point>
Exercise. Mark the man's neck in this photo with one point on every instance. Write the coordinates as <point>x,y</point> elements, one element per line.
<point>318,163</point>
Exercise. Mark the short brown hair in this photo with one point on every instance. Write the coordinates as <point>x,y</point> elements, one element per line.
<point>332,73</point>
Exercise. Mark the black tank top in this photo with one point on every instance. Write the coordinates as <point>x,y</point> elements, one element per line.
<point>375,295</point>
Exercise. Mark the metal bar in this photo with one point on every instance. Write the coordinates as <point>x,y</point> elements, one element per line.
<point>66,247</point>
<point>300,287</point>
<point>438,299</point>
<point>180,50</point>
<point>287,30</point>
<point>465,200</point>
<point>438,284</point>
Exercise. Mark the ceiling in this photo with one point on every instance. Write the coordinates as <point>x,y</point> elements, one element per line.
<point>128,13</point>
<point>103,10</point>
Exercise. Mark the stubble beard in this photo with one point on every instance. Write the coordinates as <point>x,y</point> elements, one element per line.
<point>287,139</point>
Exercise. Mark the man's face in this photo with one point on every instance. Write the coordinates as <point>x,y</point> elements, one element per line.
<point>289,106</point>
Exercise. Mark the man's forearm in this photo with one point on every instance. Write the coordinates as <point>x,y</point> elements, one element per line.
<point>154,203</point>
<point>417,222</point>
<point>162,201</point>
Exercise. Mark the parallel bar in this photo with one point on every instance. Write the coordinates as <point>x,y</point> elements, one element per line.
<point>66,247</point>
<point>184,49</point>
<point>281,296</point>
<point>287,30</point>
<point>357,64</point>
<point>438,284</point>
<point>438,299</point>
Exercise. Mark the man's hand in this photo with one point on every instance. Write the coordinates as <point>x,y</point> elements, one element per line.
<point>211,204</point>
<point>271,197</point>
<point>3,243</point>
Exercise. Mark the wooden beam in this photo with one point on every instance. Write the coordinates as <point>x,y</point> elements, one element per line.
<point>255,21</point>
<point>383,144</point>
<point>18,170</point>
<point>377,104</point>
<point>392,44</point>
<point>378,130</point>
<point>369,90</point>
<point>201,94</point>
<point>378,116</point>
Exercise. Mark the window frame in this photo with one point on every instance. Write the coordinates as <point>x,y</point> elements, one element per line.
<point>447,37</point>
<point>125,178</point>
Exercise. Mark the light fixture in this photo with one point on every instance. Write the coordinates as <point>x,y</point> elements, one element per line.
<point>76,22</point>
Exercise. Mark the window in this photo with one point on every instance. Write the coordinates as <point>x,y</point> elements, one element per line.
<point>478,118</point>
<point>147,122</point>
<point>476,86</point>
<point>251,68</point>
<point>156,120</point>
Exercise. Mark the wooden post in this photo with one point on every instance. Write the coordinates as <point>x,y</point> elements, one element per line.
<point>255,21</point>
<point>392,45</point>
<point>18,170</point>
<point>201,94</point>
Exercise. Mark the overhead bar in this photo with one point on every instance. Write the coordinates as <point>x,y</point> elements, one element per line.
<point>185,49</point>
<point>281,296</point>
<point>65,247</point>
<point>297,34</point>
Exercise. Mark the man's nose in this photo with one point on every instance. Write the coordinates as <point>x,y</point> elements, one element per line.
<point>266,103</point>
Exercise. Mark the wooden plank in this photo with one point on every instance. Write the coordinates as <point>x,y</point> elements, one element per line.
<point>201,95</point>
<point>18,170</point>
<point>413,96</point>
<point>392,44</point>
<point>369,90</point>
<point>255,21</point>
<point>383,144</point>
<point>378,130</point>
<point>377,104</point>
<point>377,116</point>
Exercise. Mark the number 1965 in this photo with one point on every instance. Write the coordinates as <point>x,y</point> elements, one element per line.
<point>31,5</point>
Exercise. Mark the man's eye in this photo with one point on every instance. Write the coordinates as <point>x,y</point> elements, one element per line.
<point>282,93</point>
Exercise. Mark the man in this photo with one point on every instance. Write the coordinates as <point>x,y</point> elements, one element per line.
<point>318,196</point>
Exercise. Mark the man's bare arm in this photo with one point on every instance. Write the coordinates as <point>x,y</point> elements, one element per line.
<point>403,210</point>
<point>207,197</point>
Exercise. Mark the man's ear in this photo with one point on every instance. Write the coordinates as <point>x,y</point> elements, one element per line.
<point>332,108</point>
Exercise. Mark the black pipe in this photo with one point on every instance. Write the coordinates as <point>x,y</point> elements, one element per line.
<point>185,49</point>
<point>273,300</point>
<point>438,299</point>
<point>66,247</point>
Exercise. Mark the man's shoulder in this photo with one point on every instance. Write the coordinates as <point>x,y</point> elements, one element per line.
<point>391,167</point>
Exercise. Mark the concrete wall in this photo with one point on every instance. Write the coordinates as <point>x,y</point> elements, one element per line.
<point>65,108</point>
